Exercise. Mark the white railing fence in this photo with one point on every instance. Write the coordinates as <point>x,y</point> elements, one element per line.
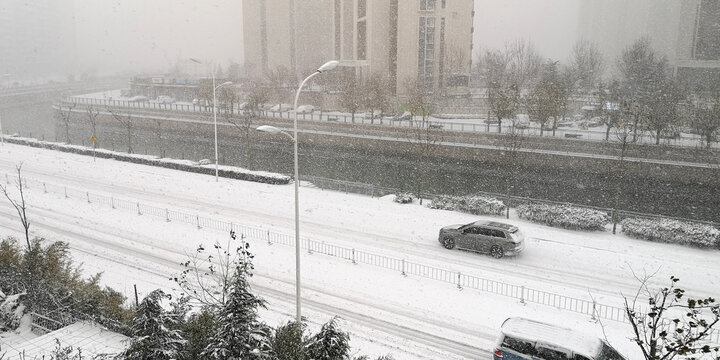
<point>404,267</point>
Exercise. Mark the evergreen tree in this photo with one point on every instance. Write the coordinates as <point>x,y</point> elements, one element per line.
<point>154,331</point>
<point>288,342</point>
<point>198,330</point>
<point>330,343</point>
<point>240,335</point>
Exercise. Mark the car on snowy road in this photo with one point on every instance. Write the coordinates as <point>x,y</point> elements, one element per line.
<point>488,237</point>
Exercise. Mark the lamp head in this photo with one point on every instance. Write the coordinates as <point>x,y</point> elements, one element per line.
<point>332,64</point>
<point>268,129</point>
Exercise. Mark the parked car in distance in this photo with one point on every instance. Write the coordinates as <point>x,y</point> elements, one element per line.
<point>164,99</point>
<point>138,98</point>
<point>525,339</point>
<point>489,237</point>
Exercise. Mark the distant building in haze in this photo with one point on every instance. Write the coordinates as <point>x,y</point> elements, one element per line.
<point>686,31</point>
<point>428,41</point>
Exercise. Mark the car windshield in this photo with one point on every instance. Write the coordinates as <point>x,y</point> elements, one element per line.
<point>608,353</point>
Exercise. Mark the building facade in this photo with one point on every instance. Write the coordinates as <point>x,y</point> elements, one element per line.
<point>426,42</point>
<point>686,31</point>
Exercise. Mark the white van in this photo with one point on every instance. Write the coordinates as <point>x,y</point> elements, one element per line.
<point>525,339</point>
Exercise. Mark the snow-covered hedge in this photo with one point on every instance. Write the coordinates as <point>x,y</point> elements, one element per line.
<point>564,216</point>
<point>183,165</point>
<point>404,198</point>
<point>672,231</point>
<point>11,310</point>
<point>478,205</point>
<point>444,202</point>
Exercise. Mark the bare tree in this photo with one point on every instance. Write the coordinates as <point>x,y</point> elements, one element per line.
<point>503,92</point>
<point>158,131</point>
<point>207,276</point>
<point>258,95</point>
<point>456,64</point>
<point>20,205</point>
<point>513,141</point>
<point>418,102</point>
<point>351,95</point>
<point>703,111</point>
<point>127,123</point>
<point>547,97</point>
<point>624,137</point>
<point>524,63</point>
<point>93,113</point>
<point>607,100</point>
<point>281,78</point>
<point>64,116</point>
<point>377,95</point>
<point>427,143</point>
<point>227,98</point>
<point>641,71</point>
<point>587,65</point>
<point>662,112</point>
<point>683,334</point>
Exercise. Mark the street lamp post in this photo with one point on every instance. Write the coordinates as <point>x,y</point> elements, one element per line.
<point>212,73</point>
<point>332,64</point>
<point>215,121</point>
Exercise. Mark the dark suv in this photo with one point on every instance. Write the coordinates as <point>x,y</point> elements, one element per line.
<point>490,237</point>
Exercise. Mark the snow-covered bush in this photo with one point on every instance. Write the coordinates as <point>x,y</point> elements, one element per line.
<point>672,231</point>
<point>564,216</point>
<point>481,205</point>
<point>183,165</point>
<point>478,205</point>
<point>11,310</point>
<point>444,202</point>
<point>404,198</point>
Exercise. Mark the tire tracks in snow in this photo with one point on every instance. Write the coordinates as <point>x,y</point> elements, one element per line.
<point>428,339</point>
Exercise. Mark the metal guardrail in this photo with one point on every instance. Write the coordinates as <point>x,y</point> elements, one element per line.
<point>362,119</point>
<point>460,280</point>
<point>43,324</point>
<point>404,267</point>
<point>377,191</point>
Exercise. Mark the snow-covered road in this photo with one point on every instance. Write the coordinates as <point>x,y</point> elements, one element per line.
<point>411,317</point>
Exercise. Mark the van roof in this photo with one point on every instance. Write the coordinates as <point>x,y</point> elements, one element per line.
<point>577,342</point>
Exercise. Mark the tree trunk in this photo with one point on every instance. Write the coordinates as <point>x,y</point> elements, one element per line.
<point>607,132</point>
<point>499,125</point>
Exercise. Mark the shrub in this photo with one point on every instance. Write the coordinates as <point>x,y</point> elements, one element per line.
<point>672,231</point>
<point>182,165</point>
<point>481,205</point>
<point>404,198</point>
<point>444,202</point>
<point>564,216</point>
<point>478,205</point>
<point>52,283</point>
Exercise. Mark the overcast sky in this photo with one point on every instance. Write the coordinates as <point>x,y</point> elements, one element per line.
<point>551,25</point>
<point>153,35</point>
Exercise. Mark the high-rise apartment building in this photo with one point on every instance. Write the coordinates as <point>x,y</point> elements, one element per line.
<point>423,41</point>
<point>37,39</point>
<point>686,31</point>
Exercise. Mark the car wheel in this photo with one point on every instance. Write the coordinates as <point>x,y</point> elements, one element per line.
<point>448,243</point>
<point>496,252</point>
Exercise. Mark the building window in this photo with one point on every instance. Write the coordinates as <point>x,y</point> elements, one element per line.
<point>362,40</point>
<point>426,52</point>
<point>443,4</point>
<point>428,5</point>
<point>362,8</point>
<point>707,41</point>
